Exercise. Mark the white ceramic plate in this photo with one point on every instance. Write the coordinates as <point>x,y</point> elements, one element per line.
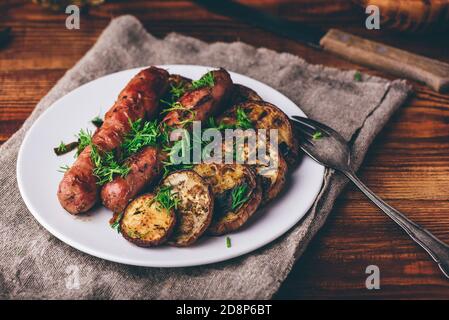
<point>38,180</point>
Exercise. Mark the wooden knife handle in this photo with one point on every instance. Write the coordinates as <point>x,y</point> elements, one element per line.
<point>432,72</point>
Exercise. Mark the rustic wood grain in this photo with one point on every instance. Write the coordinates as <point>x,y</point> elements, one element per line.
<point>408,163</point>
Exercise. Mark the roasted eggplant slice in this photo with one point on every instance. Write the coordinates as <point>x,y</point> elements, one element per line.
<point>264,115</point>
<point>146,222</point>
<point>272,172</point>
<point>237,194</point>
<point>241,94</point>
<point>195,206</point>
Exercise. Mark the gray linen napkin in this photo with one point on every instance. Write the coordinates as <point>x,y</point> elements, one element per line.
<point>35,264</point>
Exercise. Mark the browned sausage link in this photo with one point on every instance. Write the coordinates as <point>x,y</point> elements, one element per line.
<point>145,166</point>
<point>78,191</point>
<point>205,102</point>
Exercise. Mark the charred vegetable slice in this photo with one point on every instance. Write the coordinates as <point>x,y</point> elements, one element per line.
<point>195,206</point>
<point>237,194</point>
<point>241,94</point>
<point>264,115</point>
<point>146,221</point>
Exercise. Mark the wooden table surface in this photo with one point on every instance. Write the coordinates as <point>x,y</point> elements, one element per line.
<point>408,164</point>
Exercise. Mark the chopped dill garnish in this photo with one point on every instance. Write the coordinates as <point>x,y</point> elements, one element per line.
<point>177,91</point>
<point>187,114</point>
<point>357,76</point>
<point>164,134</point>
<point>207,80</point>
<point>212,123</point>
<point>175,106</point>
<point>170,167</point>
<point>228,242</point>
<point>317,135</point>
<point>140,136</point>
<point>242,120</point>
<point>63,169</point>
<point>106,167</point>
<point>166,198</point>
<point>62,148</point>
<point>65,148</point>
<point>239,196</point>
<point>97,121</point>
<point>185,146</point>
<point>84,139</point>
<point>116,224</point>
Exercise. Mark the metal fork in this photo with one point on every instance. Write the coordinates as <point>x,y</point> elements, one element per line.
<point>329,148</point>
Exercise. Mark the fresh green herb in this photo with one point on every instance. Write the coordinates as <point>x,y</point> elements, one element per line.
<point>164,134</point>
<point>357,76</point>
<point>84,139</point>
<point>239,196</point>
<point>317,135</point>
<point>176,91</point>
<point>206,80</point>
<point>187,114</point>
<point>116,224</point>
<point>63,169</point>
<point>167,103</point>
<point>106,167</point>
<point>170,167</point>
<point>242,120</point>
<point>173,106</point>
<point>228,242</point>
<point>140,136</point>
<point>166,198</point>
<point>185,146</point>
<point>65,148</point>
<point>62,147</point>
<point>211,123</point>
<point>97,121</point>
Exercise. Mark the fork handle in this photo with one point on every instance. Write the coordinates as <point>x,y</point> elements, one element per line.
<point>436,248</point>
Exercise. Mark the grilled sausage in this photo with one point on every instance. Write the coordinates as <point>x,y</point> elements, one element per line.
<point>78,191</point>
<point>202,103</point>
<point>145,167</point>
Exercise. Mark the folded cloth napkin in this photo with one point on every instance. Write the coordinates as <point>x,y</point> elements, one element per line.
<point>35,264</point>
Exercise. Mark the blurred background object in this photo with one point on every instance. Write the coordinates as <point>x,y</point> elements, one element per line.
<point>411,15</point>
<point>5,35</point>
<point>359,50</point>
<point>59,5</point>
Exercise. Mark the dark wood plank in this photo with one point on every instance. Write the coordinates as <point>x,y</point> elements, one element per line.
<point>408,163</point>
<point>334,265</point>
